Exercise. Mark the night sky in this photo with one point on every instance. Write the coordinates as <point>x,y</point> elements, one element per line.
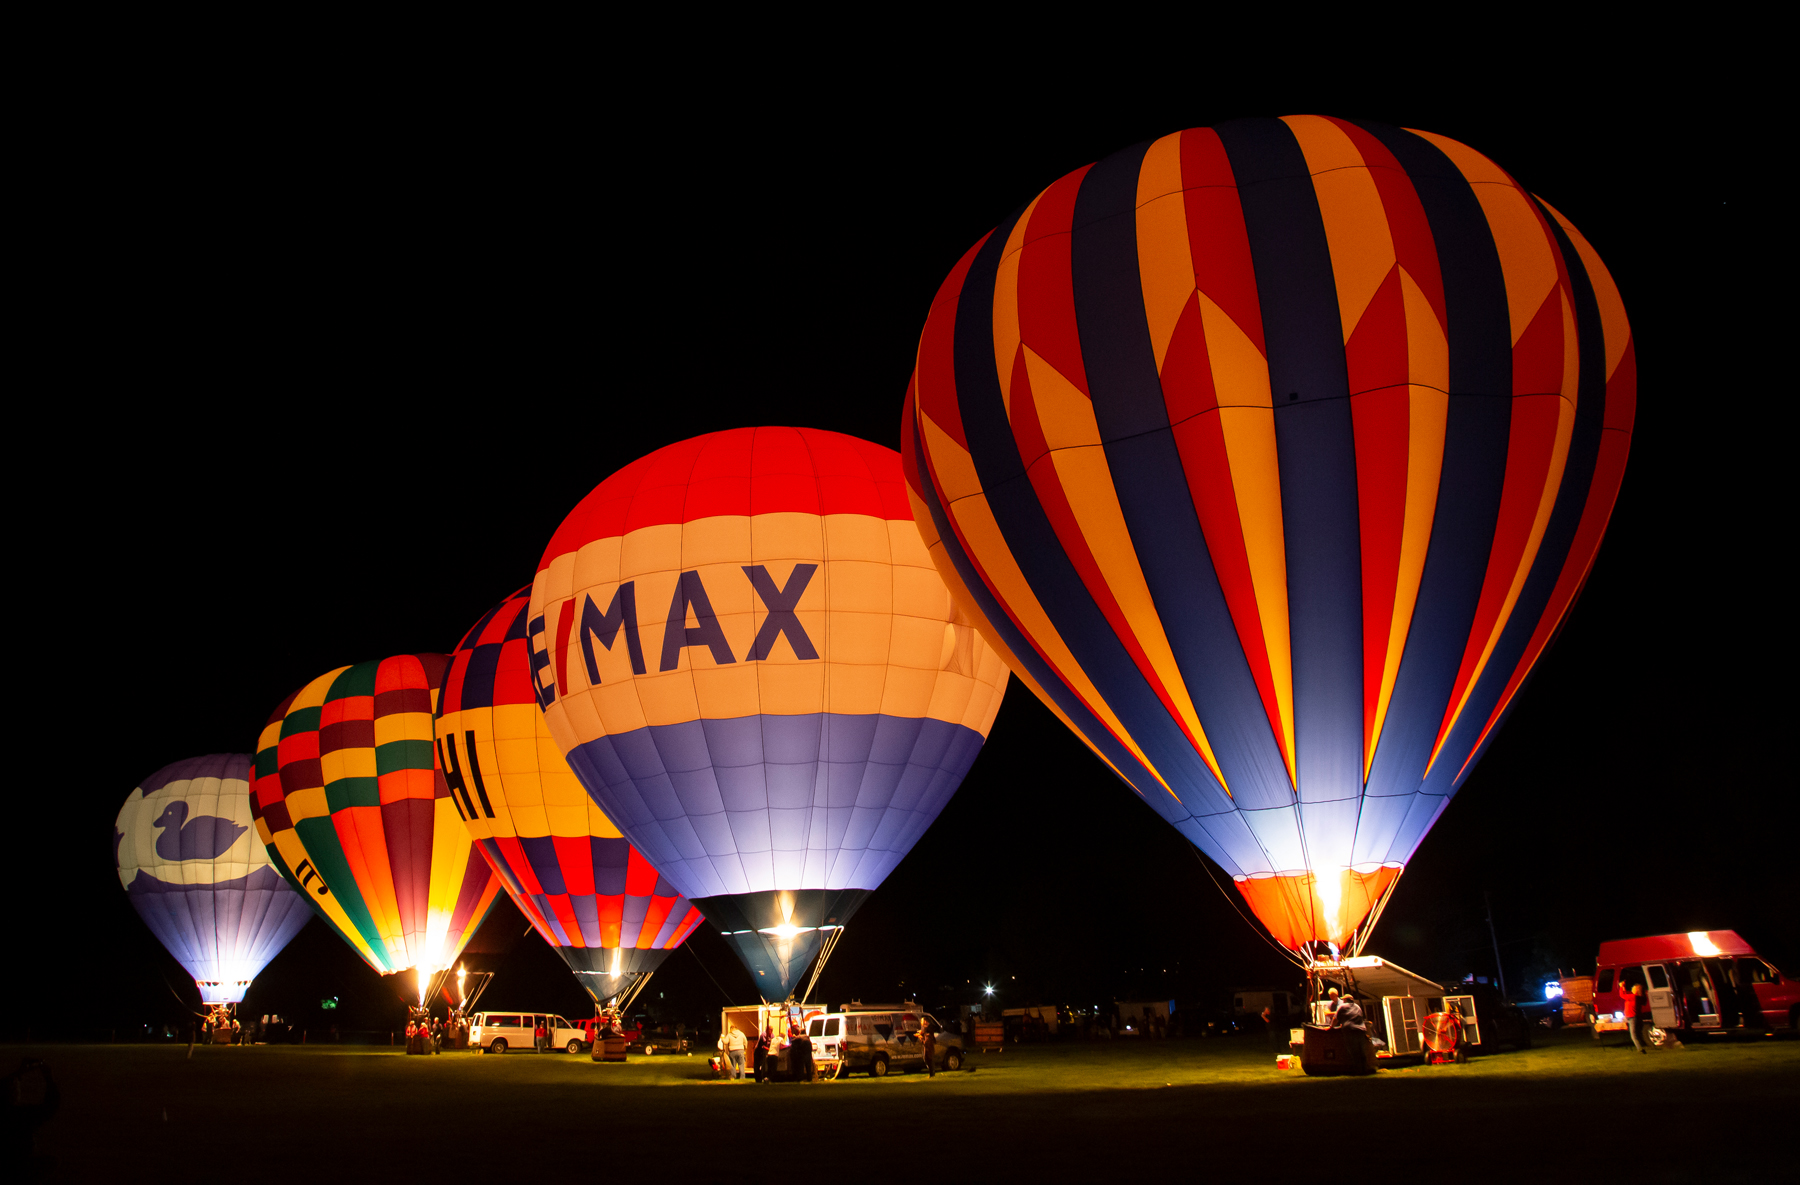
<point>329,370</point>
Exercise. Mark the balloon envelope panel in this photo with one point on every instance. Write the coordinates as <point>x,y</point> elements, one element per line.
<point>188,855</point>
<point>584,888</point>
<point>1272,456</point>
<point>347,798</point>
<point>742,646</point>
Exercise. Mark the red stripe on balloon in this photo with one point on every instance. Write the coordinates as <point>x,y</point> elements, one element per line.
<point>1380,425</point>
<point>1217,239</point>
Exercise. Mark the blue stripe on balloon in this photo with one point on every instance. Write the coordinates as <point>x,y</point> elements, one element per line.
<point>540,851</point>
<point>845,790</point>
<point>1153,494</point>
<point>1316,452</point>
<point>1040,554</point>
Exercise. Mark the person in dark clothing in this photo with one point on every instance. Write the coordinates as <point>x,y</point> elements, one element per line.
<point>763,1055</point>
<point>1348,1014</point>
<point>800,1055</point>
<point>928,1039</point>
<point>1275,1016</point>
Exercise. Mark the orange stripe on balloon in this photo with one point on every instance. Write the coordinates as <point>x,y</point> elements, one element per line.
<point>1409,230</point>
<point>1351,210</point>
<point>1165,262</point>
<point>1095,537</point>
<point>1527,253</point>
<point>951,469</point>
<point>1614,325</point>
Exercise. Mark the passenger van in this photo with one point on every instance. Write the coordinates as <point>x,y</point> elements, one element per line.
<point>497,1032</point>
<point>861,1039</point>
<point>1706,981</point>
<point>877,1039</point>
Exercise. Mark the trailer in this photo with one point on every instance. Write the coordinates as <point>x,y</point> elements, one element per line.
<point>1395,1004</point>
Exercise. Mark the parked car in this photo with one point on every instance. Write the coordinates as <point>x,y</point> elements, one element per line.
<point>496,1032</point>
<point>1703,982</point>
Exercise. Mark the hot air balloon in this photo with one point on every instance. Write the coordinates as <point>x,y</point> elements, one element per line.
<point>743,650</point>
<point>347,798</point>
<point>189,858</point>
<point>592,896</point>
<point>1272,456</point>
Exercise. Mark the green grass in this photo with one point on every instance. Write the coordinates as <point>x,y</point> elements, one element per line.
<point>1203,1109</point>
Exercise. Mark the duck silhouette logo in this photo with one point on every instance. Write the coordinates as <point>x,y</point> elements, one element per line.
<point>203,837</point>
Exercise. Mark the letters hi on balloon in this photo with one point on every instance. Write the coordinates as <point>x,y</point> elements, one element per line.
<point>1272,456</point>
<point>743,649</point>
<point>592,896</point>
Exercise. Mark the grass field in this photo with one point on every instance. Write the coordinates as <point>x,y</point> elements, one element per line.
<point>1202,1109</point>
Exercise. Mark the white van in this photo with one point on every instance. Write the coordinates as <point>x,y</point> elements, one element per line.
<point>497,1032</point>
<point>876,1040</point>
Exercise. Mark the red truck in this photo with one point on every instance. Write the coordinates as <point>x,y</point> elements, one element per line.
<point>1705,981</point>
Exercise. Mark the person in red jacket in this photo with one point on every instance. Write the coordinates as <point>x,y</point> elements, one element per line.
<point>1632,1003</point>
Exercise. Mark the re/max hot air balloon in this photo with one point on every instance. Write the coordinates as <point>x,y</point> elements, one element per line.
<point>347,798</point>
<point>189,858</point>
<point>748,659</point>
<point>592,896</point>
<point>1272,456</point>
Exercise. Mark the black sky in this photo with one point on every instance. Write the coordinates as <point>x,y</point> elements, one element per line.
<point>322,365</point>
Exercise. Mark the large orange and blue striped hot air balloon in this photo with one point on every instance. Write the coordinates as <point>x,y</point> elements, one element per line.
<point>347,799</point>
<point>593,897</point>
<point>1272,456</point>
<point>743,649</point>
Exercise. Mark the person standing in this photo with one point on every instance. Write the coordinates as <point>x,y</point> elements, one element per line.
<point>800,1055</point>
<point>734,1050</point>
<point>540,1036</point>
<point>928,1040</point>
<point>762,1066</point>
<point>1632,1005</point>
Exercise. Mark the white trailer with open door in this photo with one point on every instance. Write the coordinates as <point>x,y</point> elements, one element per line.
<point>1394,1001</point>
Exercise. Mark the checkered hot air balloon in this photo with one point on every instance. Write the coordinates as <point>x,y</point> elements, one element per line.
<point>592,896</point>
<point>190,860</point>
<point>743,649</point>
<point>347,798</point>
<point>1272,456</point>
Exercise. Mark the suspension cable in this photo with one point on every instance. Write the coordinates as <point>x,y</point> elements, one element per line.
<point>825,950</point>
<point>1258,930</point>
